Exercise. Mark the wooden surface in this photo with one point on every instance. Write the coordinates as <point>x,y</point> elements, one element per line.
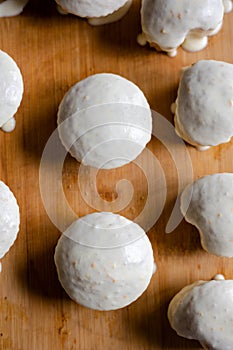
<point>53,53</point>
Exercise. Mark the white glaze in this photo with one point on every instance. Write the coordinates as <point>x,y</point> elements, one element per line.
<point>113,17</point>
<point>9,219</point>
<point>11,88</point>
<point>173,108</point>
<point>203,311</point>
<point>90,9</point>
<point>172,53</point>
<point>167,24</point>
<point>202,148</point>
<point>141,39</point>
<point>227,6</point>
<point>216,30</point>
<point>219,277</point>
<point>107,121</point>
<point>154,268</point>
<point>10,8</point>
<point>204,109</point>
<point>9,126</point>
<point>195,42</point>
<point>211,211</point>
<point>104,261</point>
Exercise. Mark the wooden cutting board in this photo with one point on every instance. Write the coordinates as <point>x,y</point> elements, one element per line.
<point>53,53</point>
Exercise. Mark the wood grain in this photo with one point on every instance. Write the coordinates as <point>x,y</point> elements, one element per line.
<point>53,53</point>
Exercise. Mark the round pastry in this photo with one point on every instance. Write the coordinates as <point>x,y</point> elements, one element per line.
<point>10,8</point>
<point>97,11</point>
<point>104,261</point>
<point>204,105</point>
<point>9,219</point>
<point>210,209</point>
<point>203,311</point>
<point>11,91</point>
<point>167,24</point>
<point>104,121</point>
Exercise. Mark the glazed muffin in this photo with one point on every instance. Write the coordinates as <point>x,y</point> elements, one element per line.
<point>203,311</point>
<point>11,91</point>
<point>104,261</point>
<point>104,121</point>
<point>204,105</point>
<point>208,205</point>
<point>9,219</point>
<point>10,8</point>
<point>97,11</point>
<point>168,24</point>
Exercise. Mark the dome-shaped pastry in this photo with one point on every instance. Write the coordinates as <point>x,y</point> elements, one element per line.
<point>167,24</point>
<point>104,261</point>
<point>104,121</point>
<point>210,209</point>
<point>10,8</point>
<point>203,311</point>
<point>11,91</point>
<point>97,11</point>
<point>204,105</point>
<point>9,219</point>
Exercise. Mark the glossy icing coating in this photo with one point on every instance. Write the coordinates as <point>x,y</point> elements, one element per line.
<point>104,261</point>
<point>104,115</point>
<point>9,219</point>
<point>10,8</point>
<point>210,200</point>
<point>11,88</point>
<point>203,311</point>
<point>113,17</point>
<point>204,104</point>
<point>95,9</point>
<point>227,6</point>
<point>167,24</point>
<point>9,126</point>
